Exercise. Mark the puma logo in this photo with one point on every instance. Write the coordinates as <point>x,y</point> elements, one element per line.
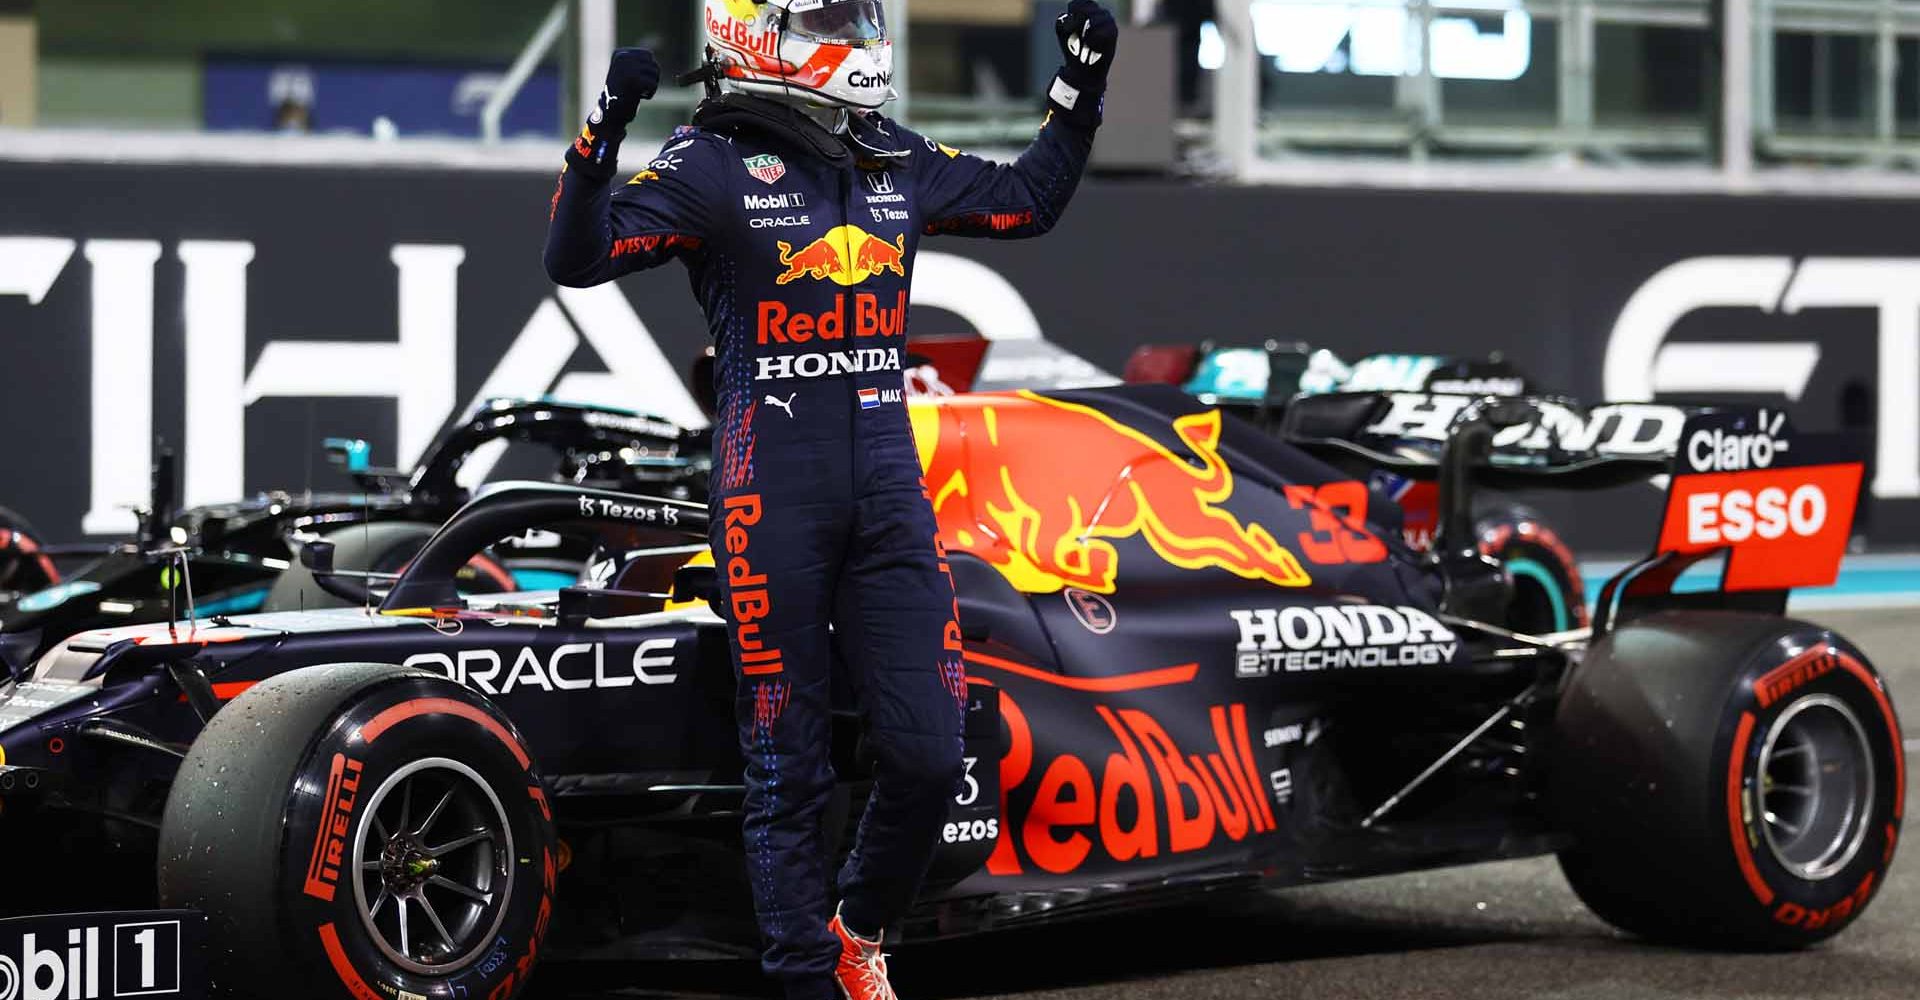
<point>787,406</point>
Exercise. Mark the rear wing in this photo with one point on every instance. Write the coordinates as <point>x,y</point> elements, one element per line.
<point>1774,505</point>
<point>1542,440</point>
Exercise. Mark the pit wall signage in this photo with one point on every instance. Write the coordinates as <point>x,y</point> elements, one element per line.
<point>227,311</point>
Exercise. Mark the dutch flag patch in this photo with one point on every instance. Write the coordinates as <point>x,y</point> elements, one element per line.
<point>869,398</point>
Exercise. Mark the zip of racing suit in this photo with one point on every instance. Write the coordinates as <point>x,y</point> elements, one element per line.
<point>800,246</point>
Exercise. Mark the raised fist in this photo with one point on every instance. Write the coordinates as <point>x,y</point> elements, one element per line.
<point>1088,38</point>
<point>633,76</point>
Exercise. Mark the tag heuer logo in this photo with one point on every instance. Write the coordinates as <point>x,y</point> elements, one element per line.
<point>767,167</point>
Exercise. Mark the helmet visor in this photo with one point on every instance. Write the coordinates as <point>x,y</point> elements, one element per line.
<point>849,22</point>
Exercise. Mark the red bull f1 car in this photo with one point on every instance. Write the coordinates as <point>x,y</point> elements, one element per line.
<point>1257,384</point>
<point>1199,657</point>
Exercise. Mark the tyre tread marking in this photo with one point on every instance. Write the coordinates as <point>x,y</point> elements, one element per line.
<point>388,718</point>
<point>1742,851</point>
<point>337,957</point>
<point>1861,673</point>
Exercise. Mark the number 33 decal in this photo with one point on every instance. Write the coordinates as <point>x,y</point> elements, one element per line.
<point>1337,514</point>
<point>970,786</point>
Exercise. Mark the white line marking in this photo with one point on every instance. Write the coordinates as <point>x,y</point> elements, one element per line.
<point>1913,746</point>
<point>1852,602</point>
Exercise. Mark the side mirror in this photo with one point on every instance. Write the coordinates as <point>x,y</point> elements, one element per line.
<point>355,588</point>
<point>317,556</point>
<point>696,583</point>
<point>577,604</point>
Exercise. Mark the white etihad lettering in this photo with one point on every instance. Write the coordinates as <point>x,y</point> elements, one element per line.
<point>1641,362</point>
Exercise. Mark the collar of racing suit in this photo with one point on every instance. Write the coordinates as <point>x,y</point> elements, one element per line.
<point>864,138</point>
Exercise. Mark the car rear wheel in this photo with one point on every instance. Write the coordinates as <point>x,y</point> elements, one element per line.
<point>362,830</point>
<point>1732,780</point>
<point>1548,592</point>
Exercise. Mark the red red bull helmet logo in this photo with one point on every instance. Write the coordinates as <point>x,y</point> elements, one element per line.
<point>846,255</point>
<point>1048,517</point>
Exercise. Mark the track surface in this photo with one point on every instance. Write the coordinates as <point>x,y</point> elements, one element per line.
<point>1512,929</point>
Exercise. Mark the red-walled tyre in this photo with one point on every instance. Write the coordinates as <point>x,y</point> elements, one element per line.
<point>1548,592</point>
<point>1733,780</point>
<point>24,564</point>
<point>362,830</point>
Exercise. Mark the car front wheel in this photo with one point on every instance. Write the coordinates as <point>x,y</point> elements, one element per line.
<point>378,831</point>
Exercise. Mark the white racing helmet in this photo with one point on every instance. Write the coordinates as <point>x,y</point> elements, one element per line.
<point>830,53</point>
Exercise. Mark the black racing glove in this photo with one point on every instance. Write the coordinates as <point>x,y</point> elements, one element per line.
<point>1088,37</point>
<point>633,76</point>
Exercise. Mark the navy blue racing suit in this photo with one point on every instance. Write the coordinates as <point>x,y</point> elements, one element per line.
<point>822,530</point>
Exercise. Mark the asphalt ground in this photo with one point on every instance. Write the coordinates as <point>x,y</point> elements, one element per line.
<point>1511,929</point>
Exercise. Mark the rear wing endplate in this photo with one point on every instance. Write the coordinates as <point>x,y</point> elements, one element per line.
<point>1775,505</point>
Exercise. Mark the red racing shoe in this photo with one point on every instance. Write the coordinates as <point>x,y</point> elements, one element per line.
<point>862,970</point>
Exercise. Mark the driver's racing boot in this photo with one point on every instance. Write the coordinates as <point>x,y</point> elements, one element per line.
<point>861,971</point>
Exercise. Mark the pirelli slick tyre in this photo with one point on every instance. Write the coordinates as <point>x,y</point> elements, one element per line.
<point>1548,592</point>
<point>366,831</point>
<point>1731,780</point>
<point>24,565</point>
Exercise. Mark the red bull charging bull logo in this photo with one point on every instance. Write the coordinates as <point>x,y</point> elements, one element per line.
<point>847,255</point>
<point>1040,488</point>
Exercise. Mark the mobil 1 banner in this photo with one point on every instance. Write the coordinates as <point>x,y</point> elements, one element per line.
<point>103,956</point>
<point>242,314</point>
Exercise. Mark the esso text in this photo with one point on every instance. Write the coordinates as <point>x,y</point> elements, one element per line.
<point>1715,518</point>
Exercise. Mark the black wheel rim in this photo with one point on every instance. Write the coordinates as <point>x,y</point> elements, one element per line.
<point>433,864</point>
<point>1816,786</point>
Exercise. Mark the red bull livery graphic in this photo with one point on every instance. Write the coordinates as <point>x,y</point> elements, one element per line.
<point>1151,785</point>
<point>846,255</point>
<point>1048,518</point>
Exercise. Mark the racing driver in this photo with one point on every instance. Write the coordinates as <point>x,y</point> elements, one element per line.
<point>797,209</point>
